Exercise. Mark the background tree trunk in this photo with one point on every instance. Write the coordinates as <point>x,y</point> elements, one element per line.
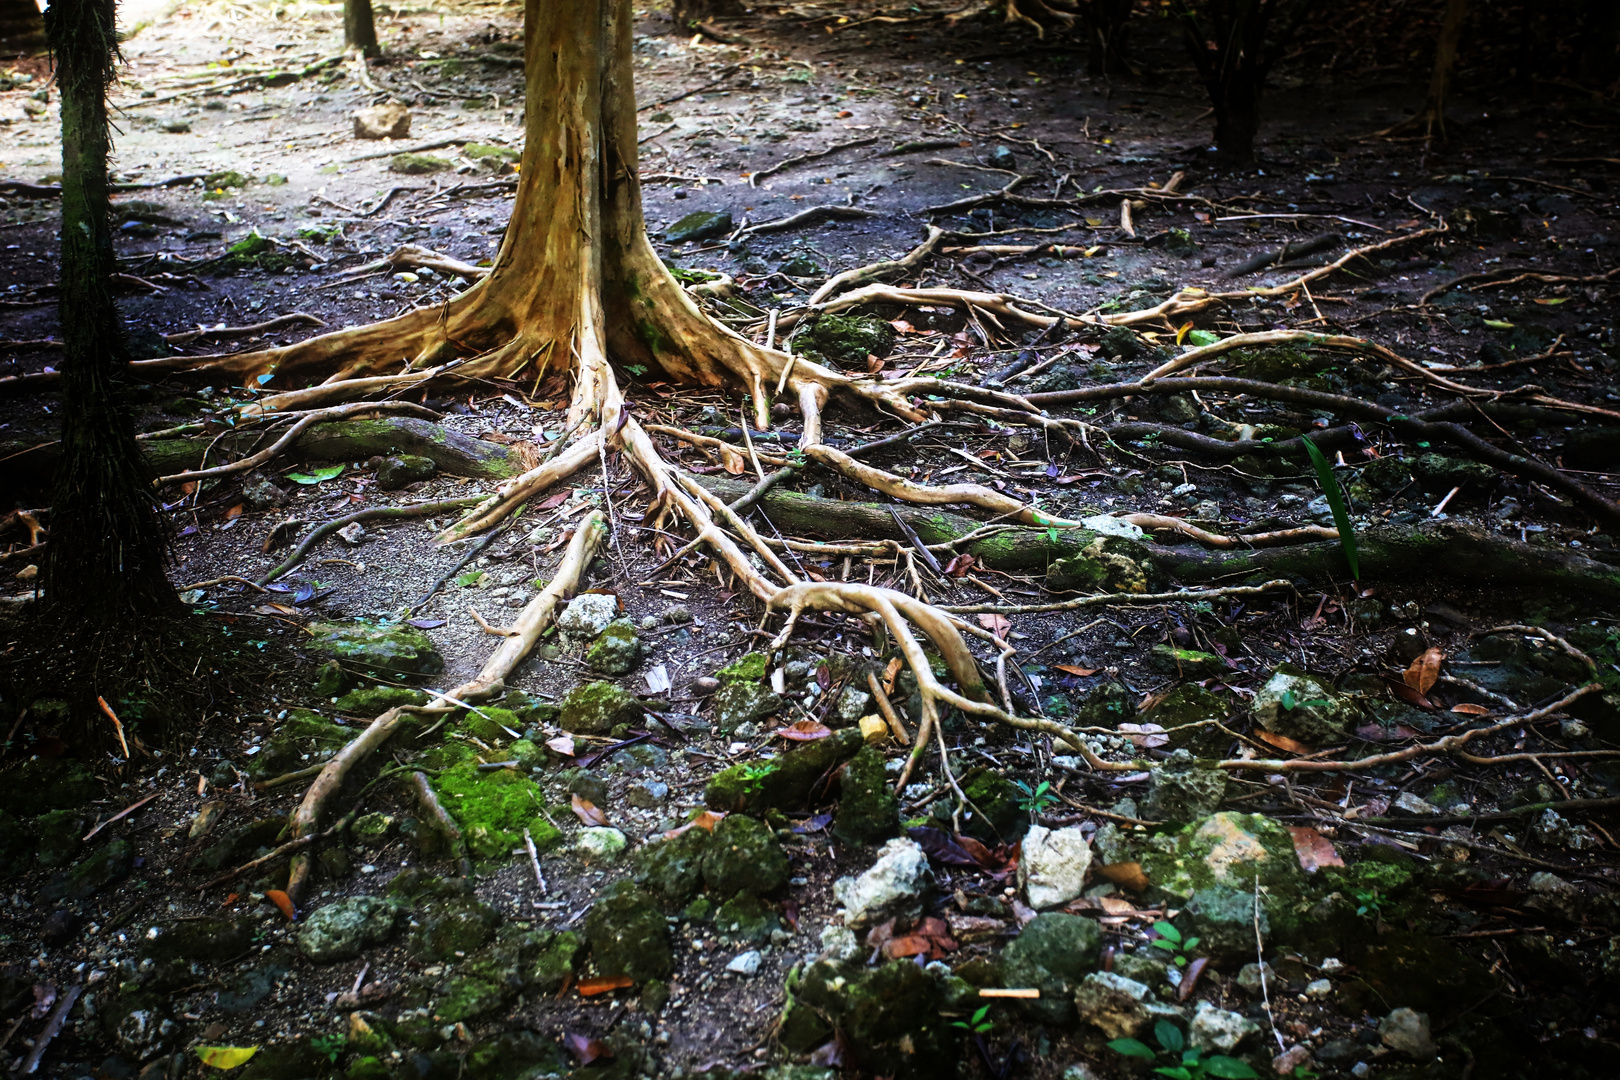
<point>22,30</point>
<point>108,551</point>
<point>359,28</point>
<point>687,12</point>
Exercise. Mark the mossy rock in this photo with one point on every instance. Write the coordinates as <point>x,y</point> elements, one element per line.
<point>514,1055</point>
<point>1105,563</point>
<point>744,856</point>
<point>628,935</point>
<point>1299,706</point>
<point>596,708</point>
<point>892,1018</point>
<point>256,251</point>
<point>242,844</point>
<point>42,784</point>
<point>1275,365</point>
<point>1227,849</point>
<point>787,782</point>
<point>699,225</point>
<point>998,816</point>
<point>1108,704</point>
<point>493,808</point>
<point>59,833</point>
<point>1438,474</point>
<point>1188,704</point>
<point>1387,474</point>
<point>491,724</point>
<point>299,737</point>
<point>418,164</point>
<point>553,965</point>
<point>105,866</point>
<point>226,178</point>
<point>531,709</point>
<point>672,869</point>
<point>286,1061</point>
<point>617,649</point>
<point>1053,953</point>
<point>392,649</point>
<point>450,925</point>
<point>376,700</point>
<point>1186,663</point>
<point>847,340</point>
<point>466,997</point>
<point>739,703</point>
<point>746,919</point>
<point>332,680</point>
<point>868,812</point>
<point>750,667</point>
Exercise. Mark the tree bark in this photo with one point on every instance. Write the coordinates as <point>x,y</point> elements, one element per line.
<point>359,28</point>
<point>108,549</point>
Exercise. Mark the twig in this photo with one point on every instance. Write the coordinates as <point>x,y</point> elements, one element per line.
<point>472,553</point>
<point>1108,599</point>
<point>52,1028</point>
<point>1260,962</point>
<point>534,861</point>
<point>806,217</point>
<point>787,163</point>
<point>118,725</point>
<point>390,512</point>
<point>126,811</point>
<point>226,333</point>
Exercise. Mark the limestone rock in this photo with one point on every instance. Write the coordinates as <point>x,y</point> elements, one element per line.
<point>1179,790</point>
<point>1224,919</point>
<point>628,935</point>
<point>1119,1007</point>
<point>1554,896</point>
<point>867,810</point>
<point>1406,1031</point>
<point>647,794</point>
<point>1053,953</point>
<point>397,470</point>
<point>617,649</point>
<point>746,963</point>
<point>1053,866</point>
<point>595,708</point>
<point>389,649</point>
<point>1218,1031</point>
<point>672,868</point>
<point>739,703</point>
<point>600,844</point>
<point>1296,705</point>
<point>588,614</point>
<point>418,164</point>
<point>1225,849</point>
<point>390,121</point>
<point>744,856</point>
<point>785,783</point>
<point>894,885</point>
<point>340,930</point>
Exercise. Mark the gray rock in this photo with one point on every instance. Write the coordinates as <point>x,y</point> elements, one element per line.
<point>1120,1008</point>
<point>839,944</point>
<point>1554,830</point>
<point>353,534</point>
<point>1053,953</point>
<point>894,885</point>
<point>588,614</point>
<point>397,470</point>
<point>852,705</point>
<point>740,702</point>
<point>1002,158</point>
<point>103,867</point>
<point>1143,969</point>
<point>1319,988</point>
<point>1181,791</point>
<point>1318,714</point>
<point>1223,918</point>
<point>617,649</point>
<point>392,649</point>
<point>744,856</point>
<point>1215,1030</point>
<point>699,225</point>
<point>600,844</point>
<point>746,963</point>
<point>1248,978</point>
<point>260,493</point>
<point>1411,804</point>
<point>145,1033</point>
<point>647,794</point>
<point>1552,895</point>
<point>588,785</point>
<point>341,930</point>
<point>1406,1031</point>
<point>390,121</point>
<point>1053,865</point>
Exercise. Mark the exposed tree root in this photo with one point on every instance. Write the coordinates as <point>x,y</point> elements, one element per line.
<point>373,513</point>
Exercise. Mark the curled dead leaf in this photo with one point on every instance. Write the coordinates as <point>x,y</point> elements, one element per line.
<point>284,902</point>
<point>1421,674</point>
<point>587,812</point>
<point>1313,849</point>
<point>805,731</point>
<point>1126,874</point>
<point>603,984</point>
<point>1281,742</point>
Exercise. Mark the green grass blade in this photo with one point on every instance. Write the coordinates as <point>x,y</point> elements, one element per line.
<point>1335,498</point>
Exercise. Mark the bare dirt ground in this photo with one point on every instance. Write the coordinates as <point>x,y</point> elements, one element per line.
<point>238,116</point>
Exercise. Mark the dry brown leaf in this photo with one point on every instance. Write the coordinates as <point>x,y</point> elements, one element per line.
<point>1127,874</point>
<point>1072,669</point>
<point>734,462</point>
<point>587,812</point>
<point>602,984</point>
<point>562,744</point>
<point>1314,850</point>
<point>1282,742</point>
<point>284,902</point>
<point>996,624</point>
<point>1468,708</point>
<point>805,731</point>
<point>1423,671</point>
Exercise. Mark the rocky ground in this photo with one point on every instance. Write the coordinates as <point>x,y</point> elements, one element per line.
<point>724,879</point>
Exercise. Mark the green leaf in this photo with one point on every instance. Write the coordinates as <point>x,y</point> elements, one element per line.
<point>225,1057</point>
<point>1131,1048</point>
<point>1229,1068</point>
<point>1168,932</point>
<point>1202,337</point>
<point>1335,498</point>
<point>1498,324</point>
<point>982,1012</point>
<point>1175,1073</point>
<point>317,475</point>
<point>470,578</point>
<point>1191,943</point>
<point>1169,1036</point>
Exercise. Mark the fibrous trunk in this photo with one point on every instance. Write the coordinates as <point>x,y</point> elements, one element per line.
<point>108,552</point>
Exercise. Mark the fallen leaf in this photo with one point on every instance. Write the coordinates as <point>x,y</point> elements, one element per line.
<point>426,624</point>
<point>1073,669</point>
<point>234,512</point>
<point>1281,742</point>
<point>562,744</point>
<point>733,461</point>
<point>556,500</point>
<point>1423,672</point>
<point>805,731</point>
<point>902,327</point>
<point>658,679</point>
<point>1127,874</point>
<point>996,624</point>
<point>284,902</point>
<point>823,676</point>
<point>1468,708</point>
<point>1189,978</point>
<point>225,1057</point>
<point>959,566</point>
<point>939,846</point>
<point>604,983</point>
<point>1409,694</point>
<point>1146,736</point>
<point>587,812</point>
<point>705,821</point>
<point>891,671</point>
<point>1313,849</point>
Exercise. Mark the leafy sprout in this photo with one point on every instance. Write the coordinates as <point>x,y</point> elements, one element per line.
<point>1038,799</point>
<point>1171,941</point>
<point>980,1024</point>
<point>330,1045</point>
<point>1289,702</point>
<point>1335,498</point>
<point>1187,1063</point>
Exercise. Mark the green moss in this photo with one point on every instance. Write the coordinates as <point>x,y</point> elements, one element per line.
<point>467,996</point>
<point>868,811</point>
<point>788,782</point>
<point>847,340</point>
<point>746,918</point>
<point>1053,953</point>
<point>491,724</point>
<point>744,856</point>
<point>628,935</point>
<point>1229,849</point>
<point>751,667</point>
<point>616,650</point>
<point>672,869</point>
<point>375,700</point>
<point>479,151</point>
<point>1277,364</point>
<point>389,649</point>
<point>594,708</point>
<point>418,164</point>
<point>59,836</point>
<point>451,925</point>
<point>997,817</point>
<point>554,963</point>
<point>493,808</point>
<point>891,1017</point>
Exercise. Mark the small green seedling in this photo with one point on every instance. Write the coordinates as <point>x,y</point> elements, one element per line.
<point>1367,901</point>
<point>981,1024</point>
<point>1289,702</point>
<point>1188,1063</point>
<point>1170,941</point>
<point>1335,498</point>
<point>331,1046</point>
<point>1036,800</point>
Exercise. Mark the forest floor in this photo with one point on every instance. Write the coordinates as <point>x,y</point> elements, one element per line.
<point>1423,882</point>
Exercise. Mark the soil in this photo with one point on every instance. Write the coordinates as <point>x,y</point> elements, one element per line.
<point>992,103</point>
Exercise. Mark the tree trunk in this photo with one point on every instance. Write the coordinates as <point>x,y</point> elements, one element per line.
<point>359,28</point>
<point>688,12</point>
<point>1105,22</point>
<point>108,549</point>
<point>1237,113</point>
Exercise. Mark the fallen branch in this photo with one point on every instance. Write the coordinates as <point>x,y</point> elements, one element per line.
<point>788,163</point>
<point>1123,599</point>
<point>387,513</point>
<point>53,1027</point>
<point>807,217</point>
<point>230,333</point>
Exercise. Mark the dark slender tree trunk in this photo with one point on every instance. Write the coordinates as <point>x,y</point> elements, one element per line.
<point>687,12</point>
<point>1237,114</point>
<point>359,28</point>
<point>108,553</point>
<point>1105,22</point>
